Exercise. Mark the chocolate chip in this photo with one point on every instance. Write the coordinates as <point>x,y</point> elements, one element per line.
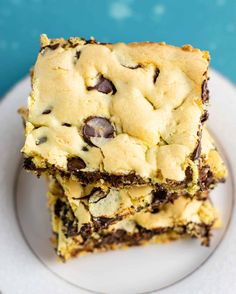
<point>58,207</point>
<point>28,164</point>
<point>117,237</point>
<point>97,196</point>
<point>97,127</point>
<point>104,86</point>
<point>50,46</point>
<point>206,178</point>
<point>41,140</point>
<point>103,43</point>
<point>188,174</point>
<point>91,41</point>
<point>53,46</point>
<point>47,111</point>
<point>160,197</point>
<point>72,229</point>
<point>85,148</point>
<point>103,222</point>
<point>85,231</point>
<point>70,224</point>
<point>132,67</point>
<point>205,116</point>
<point>205,92</point>
<point>156,74</point>
<point>75,164</point>
<point>72,44</point>
<point>155,210</point>
<point>66,125</point>
<point>197,151</point>
<point>77,55</point>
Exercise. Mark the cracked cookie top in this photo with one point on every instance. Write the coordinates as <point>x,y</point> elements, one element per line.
<point>116,108</point>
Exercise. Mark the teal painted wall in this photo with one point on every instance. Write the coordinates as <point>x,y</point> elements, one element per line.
<point>207,24</point>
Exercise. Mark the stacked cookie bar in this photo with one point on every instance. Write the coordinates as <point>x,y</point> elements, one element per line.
<point>118,129</point>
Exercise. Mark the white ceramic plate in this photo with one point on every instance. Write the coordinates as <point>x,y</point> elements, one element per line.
<point>28,263</point>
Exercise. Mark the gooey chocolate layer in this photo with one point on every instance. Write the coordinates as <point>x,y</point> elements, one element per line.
<point>182,217</point>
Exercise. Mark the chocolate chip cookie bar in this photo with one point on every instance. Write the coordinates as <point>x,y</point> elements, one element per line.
<point>183,217</point>
<point>126,114</point>
<point>119,131</point>
<point>97,206</point>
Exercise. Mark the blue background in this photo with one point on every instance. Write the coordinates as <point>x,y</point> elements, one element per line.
<point>207,24</point>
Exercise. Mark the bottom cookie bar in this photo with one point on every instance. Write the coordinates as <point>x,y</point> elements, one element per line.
<point>184,217</point>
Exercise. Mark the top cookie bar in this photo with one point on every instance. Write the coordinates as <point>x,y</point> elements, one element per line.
<point>125,113</point>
